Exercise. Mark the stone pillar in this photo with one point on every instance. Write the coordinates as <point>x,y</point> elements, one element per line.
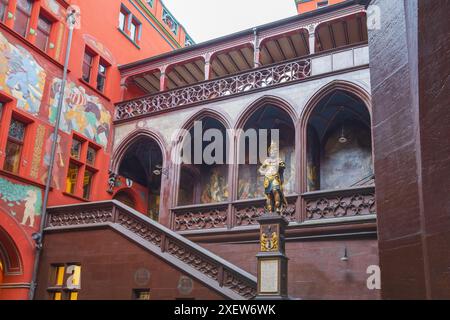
<point>410,89</point>
<point>256,50</point>
<point>207,66</point>
<point>163,79</point>
<point>312,38</point>
<point>272,260</point>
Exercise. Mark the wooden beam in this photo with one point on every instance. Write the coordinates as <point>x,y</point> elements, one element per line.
<point>360,29</point>
<point>220,63</point>
<point>272,60</point>
<point>230,58</point>
<point>199,70</point>
<point>331,31</point>
<point>183,79</point>
<point>277,44</point>
<point>347,36</point>
<point>305,42</point>
<point>292,46</point>
<point>186,69</point>
<point>244,58</point>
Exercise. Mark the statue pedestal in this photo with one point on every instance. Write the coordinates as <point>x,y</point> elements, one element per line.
<point>272,260</point>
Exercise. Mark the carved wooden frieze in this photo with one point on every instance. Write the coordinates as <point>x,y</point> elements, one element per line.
<point>76,218</point>
<point>238,284</point>
<point>193,259</point>
<point>346,205</point>
<point>247,213</point>
<point>244,82</point>
<point>144,230</point>
<point>201,218</point>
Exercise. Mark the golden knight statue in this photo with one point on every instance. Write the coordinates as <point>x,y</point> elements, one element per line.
<point>273,169</point>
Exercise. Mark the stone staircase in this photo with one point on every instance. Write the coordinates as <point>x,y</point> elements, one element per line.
<point>202,265</point>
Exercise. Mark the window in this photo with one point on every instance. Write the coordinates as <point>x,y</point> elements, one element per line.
<point>81,166</point>
<point>123,20</point>
<point>135,29</point>
<point>129,24</point>
<point>101,76</point>
<point>141,294</point>
<point>150,3</point>
<point>72,177</point>
<point>322,4</point>
<point>87,184</point>
<point>14,146</point>
<point>3,9</point>
<point>87,66</point>
<point>75,151</point>
<point>90,159</point>
<point>23,15</point>
<point>65,282</point>
<point>44,28</point>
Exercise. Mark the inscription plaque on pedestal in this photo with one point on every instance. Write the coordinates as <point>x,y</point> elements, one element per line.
<point>269,282</point>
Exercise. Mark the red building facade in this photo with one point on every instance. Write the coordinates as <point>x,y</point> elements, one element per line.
<point>33,37</point>
<point>128,220</point>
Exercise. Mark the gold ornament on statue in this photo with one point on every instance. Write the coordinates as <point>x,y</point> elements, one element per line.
<point>273,169</point>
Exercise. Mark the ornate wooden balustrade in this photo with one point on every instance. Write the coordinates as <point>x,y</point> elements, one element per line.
<point>318,206</point>
<point>337,204</point>
<point>232,281</point>
<point>244,82</point>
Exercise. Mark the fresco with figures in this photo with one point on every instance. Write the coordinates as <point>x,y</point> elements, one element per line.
<point>81,112</point>
<point>21,76</point>
<point>22,202</point>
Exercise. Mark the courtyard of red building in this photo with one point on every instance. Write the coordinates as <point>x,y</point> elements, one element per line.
<point>356,90</point>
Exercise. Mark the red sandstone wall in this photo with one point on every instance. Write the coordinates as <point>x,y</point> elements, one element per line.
<point>108,266</point>
<point>315,267</point>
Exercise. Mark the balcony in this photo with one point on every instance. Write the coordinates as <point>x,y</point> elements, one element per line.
<point>322,207</point>
<point>263,78</point>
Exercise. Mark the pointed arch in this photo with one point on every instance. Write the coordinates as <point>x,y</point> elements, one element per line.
<point>343,85</point>
<point>336,85</point>
<point>121,150</point>
<point>262,101</point>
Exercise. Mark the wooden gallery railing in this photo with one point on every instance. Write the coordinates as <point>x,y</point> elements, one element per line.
<point>318,206</point>
<point>210,90</point>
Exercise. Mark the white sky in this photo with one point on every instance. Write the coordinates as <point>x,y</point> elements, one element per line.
<point>209,19</point>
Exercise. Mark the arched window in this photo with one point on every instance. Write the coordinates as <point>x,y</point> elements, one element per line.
<point>204,167</point>
<point>266,125</point>
<point>339,145</point>
<point>143,164</point>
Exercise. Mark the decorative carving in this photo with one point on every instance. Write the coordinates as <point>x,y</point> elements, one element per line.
<point>333,206</point>
<point>246,214</point>
<point>181,249</point>
<point>37,152</point>
<point>193,259</point>
<point>199,219</point>
<point>76,218</point>
<point>238,284</point>
<point>142,229</point>
<point>248,81</point>
<point>112,181</point>
<point>269,238</point>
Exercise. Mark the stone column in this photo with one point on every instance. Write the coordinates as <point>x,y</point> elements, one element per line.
<point>272,260</point>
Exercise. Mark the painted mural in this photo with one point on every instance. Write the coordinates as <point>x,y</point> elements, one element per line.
<point>59,171</point>
<point>100,47</point>
<point>21,76</point>
<point>23,202</point>
<point>54,7</point>
<point>81,113</point>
